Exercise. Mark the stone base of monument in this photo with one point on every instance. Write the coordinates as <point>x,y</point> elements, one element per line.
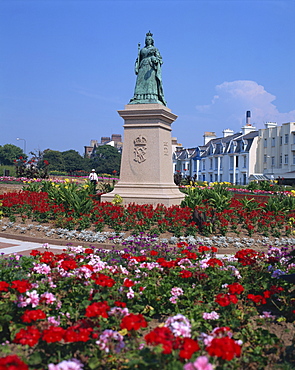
<point>146,194</point>
<point>146,175</point>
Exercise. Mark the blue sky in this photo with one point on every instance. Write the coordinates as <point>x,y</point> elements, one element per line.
<point>67,66</point>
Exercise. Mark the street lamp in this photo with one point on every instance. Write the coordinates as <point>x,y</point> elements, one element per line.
<point>25,143</point>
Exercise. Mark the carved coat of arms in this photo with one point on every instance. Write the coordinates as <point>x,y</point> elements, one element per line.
<point>140,146</point>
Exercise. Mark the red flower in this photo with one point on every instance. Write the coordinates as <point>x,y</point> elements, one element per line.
<point>128,283</point>
<point>154,253</point>
<point>98,309</point>
<point>246,256</point>
<point>69,265</point>
<point>77,334</point>
<point>182,244</point>
<point>235,288</point>
<point>4,286</point>
<point>120,304</point>
<point>46,162</point>
<point>35,253</point>
<point>214,261</point>
<point>161,336</point>
<point>133,322</point>
<point>53,334</point>
<point>188,348</point>
<point>226,348</point>
<point>185,274</point>
<point>103,280</point>
<point>33,315</point>
<point>21,285</point>
<point>29,336</point>
<point>259,299</point>
<point>226,299</point>
<point>203,248</point>
<point>12,362</point>
<point>88,251</point>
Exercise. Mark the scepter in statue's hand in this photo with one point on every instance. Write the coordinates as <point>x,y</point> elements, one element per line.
<point>137,60</point>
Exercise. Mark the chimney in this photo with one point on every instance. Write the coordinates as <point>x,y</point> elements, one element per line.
<point>248,117</point>
<point>105,139</point>
<point>270,124</point>
<point>227,132</point>
<point>116,138</point>
<point>208,136</point>
<point>248,128</point>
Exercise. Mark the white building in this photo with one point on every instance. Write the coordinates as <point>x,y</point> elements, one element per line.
<point>238,158</point>
<point>230,158</point>
<point>276,151</point>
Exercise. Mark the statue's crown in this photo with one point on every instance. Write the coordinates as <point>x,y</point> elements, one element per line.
<point>149,34</point>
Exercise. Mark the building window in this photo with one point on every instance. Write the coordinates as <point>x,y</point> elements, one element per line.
<point>204,177</point>
<point>231,163</point>
<point>272,161</point>
<point>245,162</point>
<point>220,163</point>
<point>216,177</point>
<point>195,166</point>
<point>286,158</point>
<point>204,165</point>
<point>231,178</point>
<point>293,138</point>
<point>237,161</point>
<point>211,177</point>
<point>211,164</point>
<point>273,141</point>
<point>286,139</point>
<point>281,160</point>
<point>265,143</point>
<point>264,158</point>
<point>220,177</point>
<point>281,140</point>
<point>244,179</point>
<point>237,179</point>
<point>293,158</point>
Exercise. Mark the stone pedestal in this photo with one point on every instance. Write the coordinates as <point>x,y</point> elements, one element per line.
<point>146,175</point>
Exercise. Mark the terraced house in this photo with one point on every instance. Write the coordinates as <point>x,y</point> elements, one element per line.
<point>238,158</point>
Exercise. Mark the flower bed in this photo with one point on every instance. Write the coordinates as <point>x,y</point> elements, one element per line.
<point>150,306</point>
<point>71,207</point>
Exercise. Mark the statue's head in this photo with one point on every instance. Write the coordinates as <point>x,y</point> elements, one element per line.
<point>149,39</point>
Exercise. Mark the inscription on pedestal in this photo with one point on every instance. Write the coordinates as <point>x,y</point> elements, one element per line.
<point>140,147</point>
<point>166,151</point>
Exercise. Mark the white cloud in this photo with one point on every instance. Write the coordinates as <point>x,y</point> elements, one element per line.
<point>234,98</point>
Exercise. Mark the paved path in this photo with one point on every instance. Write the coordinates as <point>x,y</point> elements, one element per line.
<point>10,246</point>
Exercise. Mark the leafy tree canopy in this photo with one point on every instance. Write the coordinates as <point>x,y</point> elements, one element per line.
<point>55,159</point>
<point>9,153</point>
<point>106,159</point>
<point>73,161</point>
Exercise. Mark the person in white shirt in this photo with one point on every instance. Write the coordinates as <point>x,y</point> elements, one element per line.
<point>93,179</point>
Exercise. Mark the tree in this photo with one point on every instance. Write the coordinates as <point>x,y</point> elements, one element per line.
<point>106,159</point>
<point>10,153</point>
<point>73,161</point>
<point>55,159</point>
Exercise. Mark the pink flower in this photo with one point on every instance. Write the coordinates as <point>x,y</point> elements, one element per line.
<point>201,363</point>
<point>130,293</point>
<point>67,365</point>
<point>33,298</point>
<point>176,291</point>
<point>48,298</point>
<point>210,315</point>
<point>173,299</point>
